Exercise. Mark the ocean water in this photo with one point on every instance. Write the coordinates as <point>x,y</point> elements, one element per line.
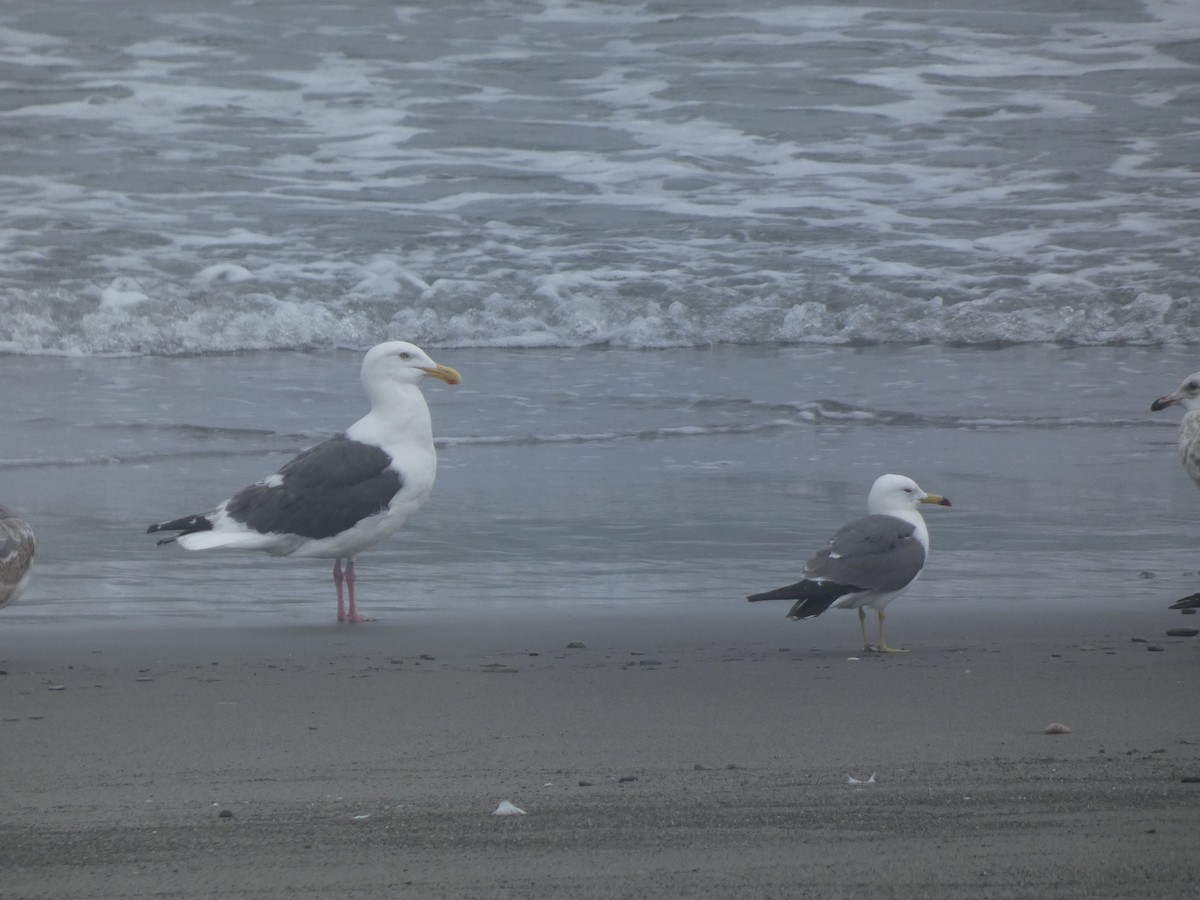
<point>706,270</point>
<point>301,175</point>
<point>616,478</point>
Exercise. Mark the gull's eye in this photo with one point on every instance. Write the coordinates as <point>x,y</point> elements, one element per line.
<point>404,354</point>
<point>1193,385</point>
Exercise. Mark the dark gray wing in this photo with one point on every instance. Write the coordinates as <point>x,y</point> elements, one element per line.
<point>875,553</point>
<point>324,491</point>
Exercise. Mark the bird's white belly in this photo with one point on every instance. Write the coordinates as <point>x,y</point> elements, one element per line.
<point>366,533</point>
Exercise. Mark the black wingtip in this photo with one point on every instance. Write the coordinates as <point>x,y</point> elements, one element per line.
<point>1190,602</point>
<point>790,592</point>
<point>184,525</point>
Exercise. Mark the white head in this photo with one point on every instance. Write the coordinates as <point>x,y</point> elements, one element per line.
<point>1186,395</point>
<point>399,362</point>
<point>891,494</point>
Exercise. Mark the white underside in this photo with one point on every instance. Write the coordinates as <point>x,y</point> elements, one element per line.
<point>234,535</point>
<point>876,600</point>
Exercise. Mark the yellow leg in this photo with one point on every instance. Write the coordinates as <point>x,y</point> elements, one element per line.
<point>883,647</point>
<point>862,623</point>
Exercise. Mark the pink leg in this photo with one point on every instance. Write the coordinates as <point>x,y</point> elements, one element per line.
<point>350,580</point>
<point>337,582</point>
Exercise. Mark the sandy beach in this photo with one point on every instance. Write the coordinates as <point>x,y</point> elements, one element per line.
<point>680,755</point>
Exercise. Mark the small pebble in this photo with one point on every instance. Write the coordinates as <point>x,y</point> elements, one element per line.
<point>57,687</point>
<point>1146,575</point>
<point>576,645</point>
<point>1190,779</point>
<point>1057,728</point>
<point>649,661</point>
<point>1154,648</point>
<point>585,784</point>
<point>1184,631</point>
<point>1139,640</point>
<point>625,778</point>
<point>427,656</point>
<point>225,814</point>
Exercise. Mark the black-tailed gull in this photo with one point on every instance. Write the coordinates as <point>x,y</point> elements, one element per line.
<point>16,555</point>
<point>340,497</point>
<point>1186,395</point>
<point>868,562</point>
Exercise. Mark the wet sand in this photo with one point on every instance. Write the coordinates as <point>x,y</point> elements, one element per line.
<point>697,754</point>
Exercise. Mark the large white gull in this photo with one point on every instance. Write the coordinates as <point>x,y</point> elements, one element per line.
<point>346,494</point>
<point>868,562</point>
<point>16,555</point>
<point>1186,395</point>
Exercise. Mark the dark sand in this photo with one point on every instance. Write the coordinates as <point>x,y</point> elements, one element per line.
<point>680,754</point>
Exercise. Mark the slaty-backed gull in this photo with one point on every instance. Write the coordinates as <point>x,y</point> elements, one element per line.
<point>344,495</point>
<point>868,562</point>
<point>1186,395</point>
<point>16,555</point>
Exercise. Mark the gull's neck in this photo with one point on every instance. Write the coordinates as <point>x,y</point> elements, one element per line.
<point>398,413</point>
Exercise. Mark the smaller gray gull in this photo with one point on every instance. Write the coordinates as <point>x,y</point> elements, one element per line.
<point>346,494</point>
<point>1186,395</point>
<point>868,562</point>
<point>16,555</point>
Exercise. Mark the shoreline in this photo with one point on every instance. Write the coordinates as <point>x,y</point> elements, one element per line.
<point>676,754</point>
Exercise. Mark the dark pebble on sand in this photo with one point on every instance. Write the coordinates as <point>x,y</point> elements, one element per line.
<point>1190,779</point>
<point>1139,640</point>
<point>625,778</point>
<point>225,814</point>
<point>427,656</point>
<point>585,784</point>
<point>1145,575</point>
<point>1154,648</point>
<point>1185,631</point>
<point>649,661</point>
<point>576,645</point>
